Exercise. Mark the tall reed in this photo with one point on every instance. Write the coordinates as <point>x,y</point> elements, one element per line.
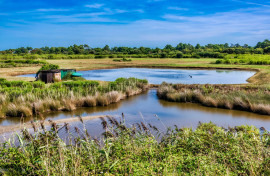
<point>139,149</point>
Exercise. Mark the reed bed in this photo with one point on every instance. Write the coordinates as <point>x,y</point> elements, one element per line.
<point>138,149</point>
<point>20,98</point>
<point>250,98</point>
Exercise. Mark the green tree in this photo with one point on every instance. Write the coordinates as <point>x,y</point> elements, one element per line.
<point>107,48</point>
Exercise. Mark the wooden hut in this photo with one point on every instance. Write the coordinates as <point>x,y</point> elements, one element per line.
<point>49,76</point>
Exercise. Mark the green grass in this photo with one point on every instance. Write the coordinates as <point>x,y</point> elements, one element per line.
<point>245,59</point>
<point>137,150</point>
<point>21,63</point>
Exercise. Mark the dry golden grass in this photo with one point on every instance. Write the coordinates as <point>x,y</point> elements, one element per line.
<point>239,97</point>
<point>16,110</point>
<point>90,101</point>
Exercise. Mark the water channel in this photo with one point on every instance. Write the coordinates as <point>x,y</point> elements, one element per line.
<point>157,76</point>
<point>148,108</point>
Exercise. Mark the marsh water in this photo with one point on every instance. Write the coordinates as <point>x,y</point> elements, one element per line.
<point>149,109</point>
<point>157,76</point>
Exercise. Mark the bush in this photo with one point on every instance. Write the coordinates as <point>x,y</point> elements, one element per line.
<point>122,60</point>
<point>100,56</point>
<point>179,55</point>
<point>2,79</point>
<point>219,61</point>
<point>49,67</point>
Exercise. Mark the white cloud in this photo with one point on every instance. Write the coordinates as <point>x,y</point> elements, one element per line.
<point>95,6</point>
<point>178,8</point>
<point>120,11</point>
<point>52,10</point>
<point>252,3</point>
<point>45,10</point>
<point>139,10</point>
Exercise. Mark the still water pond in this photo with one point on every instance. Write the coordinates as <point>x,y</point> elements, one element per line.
<point>144,107</point>
<point>157,76</point>
<point>147,107</point>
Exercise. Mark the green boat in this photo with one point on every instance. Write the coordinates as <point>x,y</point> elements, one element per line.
<point>77,74</point>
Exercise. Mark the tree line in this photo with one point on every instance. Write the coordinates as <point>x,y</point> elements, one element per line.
<point>179,51</point>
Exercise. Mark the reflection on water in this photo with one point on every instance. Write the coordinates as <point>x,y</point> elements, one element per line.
<point>144,107</point>
<point>157,76</point>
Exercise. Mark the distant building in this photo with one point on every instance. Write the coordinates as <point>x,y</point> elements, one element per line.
<point>51,76</point>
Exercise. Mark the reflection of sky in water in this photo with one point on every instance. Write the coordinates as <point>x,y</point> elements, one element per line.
<point>157,76</point>
<point>170,113</point>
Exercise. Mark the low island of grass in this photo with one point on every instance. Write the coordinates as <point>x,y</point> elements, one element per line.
<point>238,97</point>
<point>24,99</point>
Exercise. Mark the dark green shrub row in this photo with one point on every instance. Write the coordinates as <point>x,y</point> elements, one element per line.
<point>25,61</point>
<point>241,61</point>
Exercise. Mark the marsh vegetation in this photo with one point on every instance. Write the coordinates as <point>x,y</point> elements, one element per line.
<point>137,149</point>
<point>21,98</point>
<point>239,97</point>
<point>245,59</point>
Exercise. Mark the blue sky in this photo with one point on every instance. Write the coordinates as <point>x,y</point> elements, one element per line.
<point>151,23</point>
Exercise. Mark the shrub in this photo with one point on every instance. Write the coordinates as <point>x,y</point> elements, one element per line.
<point>49,67</point>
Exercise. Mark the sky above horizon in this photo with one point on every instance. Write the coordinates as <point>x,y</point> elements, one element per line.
<point>150,23</point>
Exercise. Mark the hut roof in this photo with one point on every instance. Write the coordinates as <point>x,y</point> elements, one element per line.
<point>51,71</point>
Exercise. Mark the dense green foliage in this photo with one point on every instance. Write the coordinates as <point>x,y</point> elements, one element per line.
<point>122,60</point>
<point>21,98</point>
<point>243,97</point>
<point>138,150</point>
<point>247,59</point>
<point>182,50</point>
<point>7,63</point>
<point>49,67</point>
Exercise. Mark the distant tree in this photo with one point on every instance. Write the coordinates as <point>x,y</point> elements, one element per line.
<point>86,46</point>
<point>169,47</point>
<point>263,44</point>
<point>107,48</point>
<point>179,55</point>
<point>198,46</point>
<point>266,50</point>
<point>246,46</point>
<point>37,51</point>
<point>163,55</point>
<point>237,45</point>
